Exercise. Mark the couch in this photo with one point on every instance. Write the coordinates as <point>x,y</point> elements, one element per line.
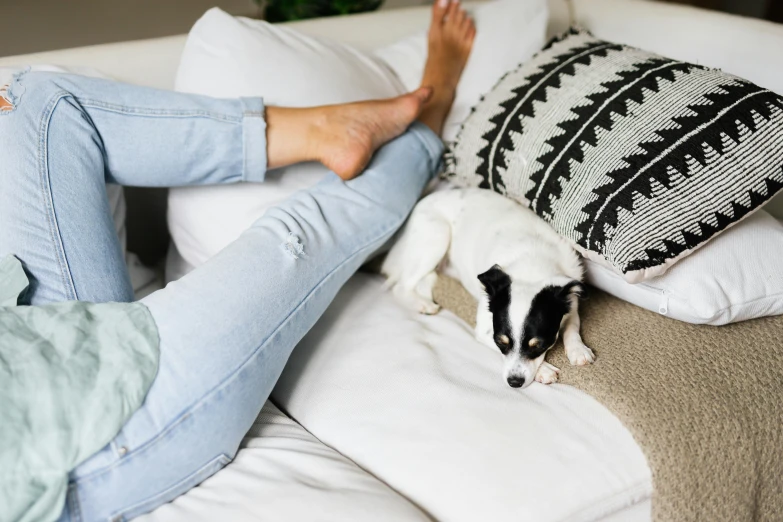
<point>383,415</point>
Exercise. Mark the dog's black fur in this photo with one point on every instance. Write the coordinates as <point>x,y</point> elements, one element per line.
<point>544,318</point>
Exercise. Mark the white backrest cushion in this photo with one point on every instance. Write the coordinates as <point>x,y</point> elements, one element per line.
<point>746,47</point>
<point>152,63</point>
<point>228,57</point>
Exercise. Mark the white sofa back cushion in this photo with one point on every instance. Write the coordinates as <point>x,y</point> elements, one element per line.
<point>745,47</point>
<point>228,57</point>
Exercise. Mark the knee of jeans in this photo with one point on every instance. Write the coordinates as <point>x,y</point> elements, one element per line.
<point>7,99</point>
<point>11,93</point>
<point>25,85</point>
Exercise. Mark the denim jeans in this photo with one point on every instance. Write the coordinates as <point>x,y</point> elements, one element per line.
<point>228,327</point>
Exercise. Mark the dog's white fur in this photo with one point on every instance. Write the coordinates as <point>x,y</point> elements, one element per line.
<point>471,230</point>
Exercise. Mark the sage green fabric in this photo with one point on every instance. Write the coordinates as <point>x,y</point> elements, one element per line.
<point>70,376</point>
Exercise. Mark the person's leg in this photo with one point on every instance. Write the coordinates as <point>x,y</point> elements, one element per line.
<point>62,137</point>
<point>65,136</point>
<point>228,327</point>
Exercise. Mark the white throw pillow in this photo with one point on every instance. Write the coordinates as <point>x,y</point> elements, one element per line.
<point>229,57</point>
<point>735,277</point>
<point>508,32</point>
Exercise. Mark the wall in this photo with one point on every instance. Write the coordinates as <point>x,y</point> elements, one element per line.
<point>755,8</point>
<point>28,26</point>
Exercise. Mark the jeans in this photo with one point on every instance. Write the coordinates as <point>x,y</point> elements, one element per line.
<point>227,328</point>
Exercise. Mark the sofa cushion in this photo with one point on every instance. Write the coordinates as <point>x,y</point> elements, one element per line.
<point>282,472</point>
<point>747,47</point>
<point>423,406</point>
<point>637,159</point>
<point>228,56</point>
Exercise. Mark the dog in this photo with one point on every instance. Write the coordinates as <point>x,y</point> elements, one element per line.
<point>527,278</point>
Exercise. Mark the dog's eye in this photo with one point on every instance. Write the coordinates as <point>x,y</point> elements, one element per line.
<point>503,340</point>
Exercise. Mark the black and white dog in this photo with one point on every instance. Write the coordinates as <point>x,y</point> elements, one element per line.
<point>528,284</point>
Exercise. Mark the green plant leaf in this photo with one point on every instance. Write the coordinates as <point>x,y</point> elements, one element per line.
<point>285,10</point>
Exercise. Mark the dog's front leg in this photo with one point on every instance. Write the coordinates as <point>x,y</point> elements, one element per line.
<point>547,374</point>
<point>578,354</point>
<point>484,327</point>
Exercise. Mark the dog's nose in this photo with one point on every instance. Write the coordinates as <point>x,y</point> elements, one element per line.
<point>516,381</point>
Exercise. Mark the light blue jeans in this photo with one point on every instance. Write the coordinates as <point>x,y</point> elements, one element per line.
<point>228,327</point>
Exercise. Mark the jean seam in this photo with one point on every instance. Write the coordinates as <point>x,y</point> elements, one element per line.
<point>46,194</point>
<point>250,120</point>
<point>246,136</point>
<point>221,457</point>
<point>75,506</point>
<point>154,113</point>
<point>207,397</point>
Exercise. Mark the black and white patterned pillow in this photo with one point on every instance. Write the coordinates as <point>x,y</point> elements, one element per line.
<point>636,159</point>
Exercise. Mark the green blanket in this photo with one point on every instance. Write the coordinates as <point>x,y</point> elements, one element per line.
<point>71,374</point>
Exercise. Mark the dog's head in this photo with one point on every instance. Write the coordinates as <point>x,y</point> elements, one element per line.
<point>526,320</point>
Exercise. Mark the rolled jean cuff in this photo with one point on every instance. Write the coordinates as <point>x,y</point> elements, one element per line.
<point>432,143</point>
<point>253,139</point>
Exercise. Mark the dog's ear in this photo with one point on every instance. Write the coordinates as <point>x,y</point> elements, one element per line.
<point>495,281</point>
<point>573,288</point>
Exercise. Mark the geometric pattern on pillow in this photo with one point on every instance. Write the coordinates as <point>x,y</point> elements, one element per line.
<point>635,158</point>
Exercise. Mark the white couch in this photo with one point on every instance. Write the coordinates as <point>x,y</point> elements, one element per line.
<point>401,417</point>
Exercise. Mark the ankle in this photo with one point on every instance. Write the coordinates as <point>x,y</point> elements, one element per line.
<point>291,136</point>
<point>435,111</point>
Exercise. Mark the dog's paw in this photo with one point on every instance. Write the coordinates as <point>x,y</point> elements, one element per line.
<point>428,307</point>
<point>547,374</point>
<point>579,354</point>
<point>416,302</point>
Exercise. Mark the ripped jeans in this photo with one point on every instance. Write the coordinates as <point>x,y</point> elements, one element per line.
<point>228,327</point>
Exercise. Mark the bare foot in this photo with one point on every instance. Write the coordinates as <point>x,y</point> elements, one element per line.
<point>348,135</point>
<point>449,44</point>
<point>342,137</point>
